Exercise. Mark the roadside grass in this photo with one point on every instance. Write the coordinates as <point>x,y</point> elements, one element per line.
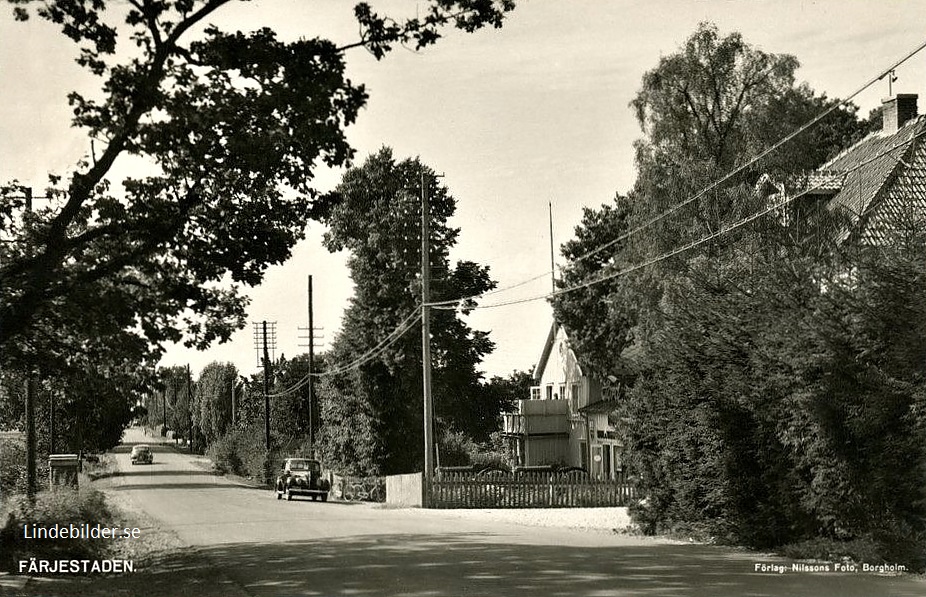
<point>86,505</point>
<point>866,550</point>
<point>62,507</point>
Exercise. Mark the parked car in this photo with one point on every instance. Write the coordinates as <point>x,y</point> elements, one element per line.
<point>302,476</point>
<point>142,454</point>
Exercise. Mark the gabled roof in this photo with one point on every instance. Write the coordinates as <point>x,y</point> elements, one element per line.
<point>629,355</point>
<point>545,354</point>
<point>884,178</point>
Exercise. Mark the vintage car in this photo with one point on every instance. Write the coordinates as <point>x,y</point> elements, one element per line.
<point>302,476</point>
<point>142,454</point>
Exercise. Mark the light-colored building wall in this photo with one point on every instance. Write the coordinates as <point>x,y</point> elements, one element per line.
<point>549,427</point>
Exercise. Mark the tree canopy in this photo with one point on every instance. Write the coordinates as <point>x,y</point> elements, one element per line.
<point>779,383</point>
<point>705,112</point>
<point>234,125</point>
<point>372,414</point>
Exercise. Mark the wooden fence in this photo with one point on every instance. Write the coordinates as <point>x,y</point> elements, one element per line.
<point>465,489</point>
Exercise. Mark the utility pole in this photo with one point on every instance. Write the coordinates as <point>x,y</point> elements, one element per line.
<point>189,404</point>
<point>30,404</point>
<point>51,423</point>
<point>426,334</point>
<point>266,390</point>
<point>234,381</point>
<point>313,411</point>
<point>264,341</point>
<point>552,259</point>
<point>311,405</point>
<point>30,437</point>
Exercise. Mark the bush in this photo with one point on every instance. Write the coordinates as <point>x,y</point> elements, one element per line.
<point>242,452</point>
<point>783,411</point>
<point>61,507</point>
<point>12,467</point>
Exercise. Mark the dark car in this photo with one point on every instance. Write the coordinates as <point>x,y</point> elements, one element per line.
<point>302,476</point>
<point>142,454</point>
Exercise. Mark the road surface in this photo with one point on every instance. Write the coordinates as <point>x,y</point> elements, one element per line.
<point>240,541</point>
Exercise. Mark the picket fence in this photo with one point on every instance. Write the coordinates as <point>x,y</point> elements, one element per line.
<point>466,489</point>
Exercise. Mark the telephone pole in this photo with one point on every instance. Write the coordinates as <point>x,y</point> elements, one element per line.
<point>266,390</point>
<point>426,333</point>
<point>313,411</point>
<point>30,404</point>
<point>265,337</point>
<point>189,404</point>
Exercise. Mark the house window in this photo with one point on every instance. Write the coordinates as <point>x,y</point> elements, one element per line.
<point>562,391</point>
<point>583,448</point>
<point>535,393</point>
<point>575,396</point>
<point>550,391</point>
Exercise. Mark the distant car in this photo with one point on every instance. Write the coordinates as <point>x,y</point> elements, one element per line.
<point>302,476</point>
<point>142,454</point>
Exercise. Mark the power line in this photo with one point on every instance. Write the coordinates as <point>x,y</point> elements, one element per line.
<point>755,159</point>
<point>691,245</point>
<point>713,185</point>
<point>407,323</point>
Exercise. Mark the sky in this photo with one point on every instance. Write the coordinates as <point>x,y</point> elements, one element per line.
<point>518,118</point>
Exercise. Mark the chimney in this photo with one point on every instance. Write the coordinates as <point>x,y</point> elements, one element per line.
<point>898,111</point>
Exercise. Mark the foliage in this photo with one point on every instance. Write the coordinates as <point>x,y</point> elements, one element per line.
<point>91,408</point>
<point>212,408</point>
<point>12,467</point>
<point>459,449</point>
<point>177,385</point>
<point>62,507</point>
<point>233,125</point>
<point>378,404</point>
<point>289,413</point>
<point>779,392</point>
<point>704,111</point>
<point>785,403</point>
<point>501,395</point>
<point>242,452</point>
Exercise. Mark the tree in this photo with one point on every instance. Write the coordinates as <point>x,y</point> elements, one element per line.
<point>91,408</point>
<point>290,411</point>
<point>705,111</point>
<point>233,124</point>
<point>784,403</point>
<point>212,408</point>
<point>502,394</point>
<point>378,404</point>
<point>177,385</point>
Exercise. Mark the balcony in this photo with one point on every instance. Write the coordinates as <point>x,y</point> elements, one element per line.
<point>537,417</point>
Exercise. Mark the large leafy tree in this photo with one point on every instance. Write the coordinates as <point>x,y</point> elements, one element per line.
<point>705,111</point>
<point>784,403</point>
<point>212,406</point>
<point>233,124</point>
<point>372,414</point>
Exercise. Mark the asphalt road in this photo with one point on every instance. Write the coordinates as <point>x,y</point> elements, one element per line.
<point>240,541</point>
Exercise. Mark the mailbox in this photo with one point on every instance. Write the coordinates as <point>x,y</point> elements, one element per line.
<point>62,470</point>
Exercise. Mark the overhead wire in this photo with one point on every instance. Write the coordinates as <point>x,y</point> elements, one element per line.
<point>678,250</point>
<point>407,323</point>
<point>781,142</point>
<point>415,316</point>
<point>713,185</point>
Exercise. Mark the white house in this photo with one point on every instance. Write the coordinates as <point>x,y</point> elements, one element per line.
<point>565,420</point>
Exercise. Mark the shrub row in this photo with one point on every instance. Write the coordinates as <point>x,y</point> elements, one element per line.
<point>62,507</point>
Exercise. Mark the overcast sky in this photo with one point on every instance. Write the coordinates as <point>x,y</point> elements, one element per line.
<point>515,118</point>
